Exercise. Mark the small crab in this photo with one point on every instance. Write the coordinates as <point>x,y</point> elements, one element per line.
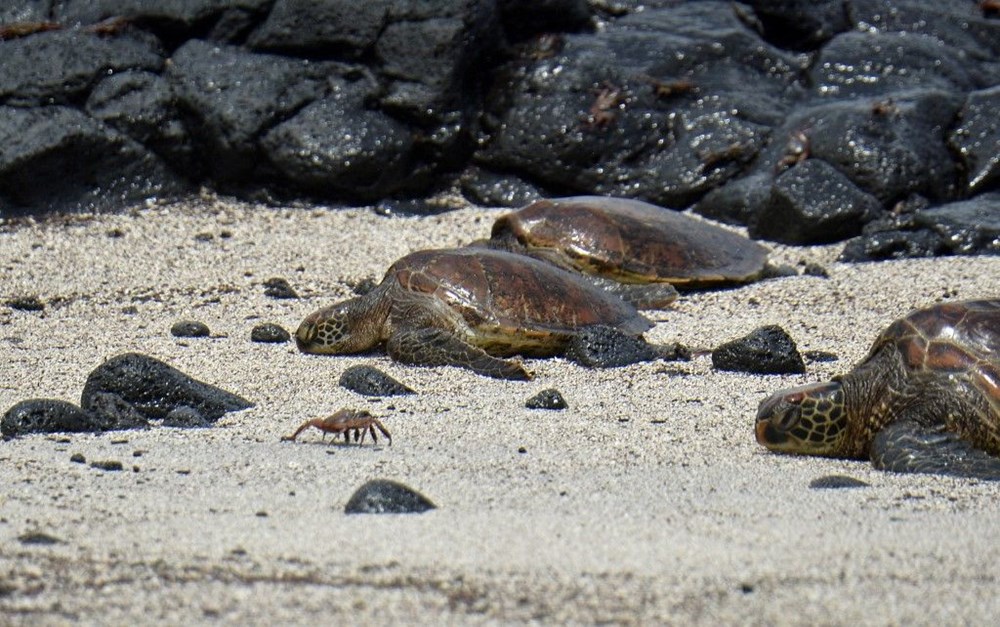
<point>608,100</point>
<point>796,151</point>
<point>345,421</point>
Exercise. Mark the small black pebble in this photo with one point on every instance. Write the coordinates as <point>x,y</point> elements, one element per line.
<point>370,381</point>
<point>836,482</point>
<point>26,303</point>
<point>546,399</point>
<point>107,465</point>
<point>814,269</point>
<point>261,514</point>
<point>522,450</point>
<point>381,496</point>
<point>190,328</point>
<point>115,233</point>
<point>204,237</point>
<point>38,537</point>
<point>746,588</point>
<point>820,356</point>
<point>363,286</point>
<point>278,287</point>
<point>78,458</point>
<point>269,333</point>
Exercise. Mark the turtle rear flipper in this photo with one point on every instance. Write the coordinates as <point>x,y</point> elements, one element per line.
<point>640,295</point>
<point>437,347</point>
<point>905,446</point>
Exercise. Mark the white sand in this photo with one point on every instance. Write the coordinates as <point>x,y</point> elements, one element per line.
<point>648,500</point>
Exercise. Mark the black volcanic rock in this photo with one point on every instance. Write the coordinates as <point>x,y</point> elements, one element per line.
<point>382,496</point>
<point>155,388</point>
<point>813,203</point>
<point>61,66</point>
<point>47,416</point>
<point>976,139</point>
<point>624,112</point>
<point>60,159</point>
<point>232,96</point>
<point>766,350</point>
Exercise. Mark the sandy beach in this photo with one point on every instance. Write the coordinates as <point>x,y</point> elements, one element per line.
<point>647,501</point>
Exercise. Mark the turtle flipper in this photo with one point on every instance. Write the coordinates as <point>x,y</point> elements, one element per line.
<point>437,347</point>
<point>641,295</point>
<point>905,446</point>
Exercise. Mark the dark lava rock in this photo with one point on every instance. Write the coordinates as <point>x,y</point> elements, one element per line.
<point>607,347</point>
<point>185,418</point>
<point>336,145</point>
<point>490,189</point>
<point>269,333</point>
<point>888,147</point>
<point>115,413</point>
<point>232,96</point>
<point>190,328</point>
<point>47,416</point>
<point>78,458</point>
<point>524,18</point>
<point>363,286</point>
<point>801,24</point>
<point>767,350</point>
<point>816,270</point>
<point>59,67</point>
<point>26,303</point>
<point>342,27</point>
<point>381,496</point>
<point>813,203</point>
<point>621,112</point>
<point>968,227</point>
<point>57,158</point>
<point>111,465</point>
<point>836,482</point>
<point>371,381</point>
<point>155,388</point>
<point>141,105</point>
<point>547,399</point>
<point>977,140</point>
<point>278,287</point>
<point>857,64</point>
<point>38,537</point>
<point>820,356</point>
<point>738,201</point>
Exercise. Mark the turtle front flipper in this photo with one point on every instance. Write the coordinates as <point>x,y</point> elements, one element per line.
<point>905,446</point>
<point>640,295</point>
<point>437,347</point>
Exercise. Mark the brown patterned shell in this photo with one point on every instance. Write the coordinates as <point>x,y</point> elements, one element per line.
<point>496,290</point>
<point>632,241</point>
<point>959,339</point>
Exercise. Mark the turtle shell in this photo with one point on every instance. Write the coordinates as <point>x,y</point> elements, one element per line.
<point>631,241</point>
<point>509,303</point>
<point>959,340</point>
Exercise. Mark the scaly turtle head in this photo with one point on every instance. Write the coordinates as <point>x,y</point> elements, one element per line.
<point>806,420</point>
<point>347,327</point>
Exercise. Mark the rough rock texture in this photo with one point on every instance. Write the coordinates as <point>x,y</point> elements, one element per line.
<point>767,350</point>
<point>710,104</point>
<point>370,381</point>
<point>382,496</point>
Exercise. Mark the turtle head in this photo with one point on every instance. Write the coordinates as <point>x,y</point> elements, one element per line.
<point>346,327</point>
<point>806,420</point>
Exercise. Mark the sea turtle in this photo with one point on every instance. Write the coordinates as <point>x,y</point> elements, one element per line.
<point>635,249</point>
<point>469,307</point>
<point>925,399</point>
